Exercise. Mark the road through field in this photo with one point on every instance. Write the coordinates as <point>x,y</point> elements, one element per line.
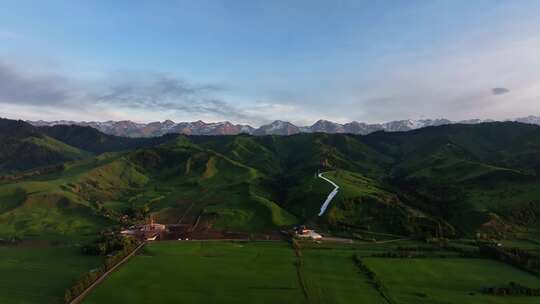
<point>330,196</point>
<point>105,275</point>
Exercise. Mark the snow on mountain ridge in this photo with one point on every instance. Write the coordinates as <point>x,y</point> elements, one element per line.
<point>277,127</point>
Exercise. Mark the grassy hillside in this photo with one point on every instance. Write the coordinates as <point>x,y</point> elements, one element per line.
<point>94,141</point>
<point>23,147</point>
<point>65,204</point>
<point>456,180</point>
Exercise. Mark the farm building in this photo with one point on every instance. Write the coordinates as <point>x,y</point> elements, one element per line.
<point>303,232</point>
<point>147,232</point>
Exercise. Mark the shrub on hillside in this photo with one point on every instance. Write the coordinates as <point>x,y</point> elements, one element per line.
<point>108,243</point>
<point>90,277</point>
<point>513,289</point>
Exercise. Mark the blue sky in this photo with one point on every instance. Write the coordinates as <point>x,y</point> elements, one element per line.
<point>256,61</point>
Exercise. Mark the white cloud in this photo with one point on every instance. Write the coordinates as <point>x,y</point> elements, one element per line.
<point>147,97</point>
<point>455,83</point>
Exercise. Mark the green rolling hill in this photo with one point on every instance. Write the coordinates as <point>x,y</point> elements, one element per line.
<point>24,147</point>
<point>453,181</point>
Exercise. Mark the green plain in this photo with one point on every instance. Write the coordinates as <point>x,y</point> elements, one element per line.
<point>40,273</point>
<point>448,280</point>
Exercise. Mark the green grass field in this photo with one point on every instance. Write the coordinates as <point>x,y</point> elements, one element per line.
<point>332,277</point>
<point>448,281</point>
<point>270,272</point>
<point>40,273</point>
<point>236,272</point>
<point>205,272</point>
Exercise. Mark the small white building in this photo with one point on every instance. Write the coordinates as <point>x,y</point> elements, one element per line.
<point>148,232</point>
<point>303,232</point>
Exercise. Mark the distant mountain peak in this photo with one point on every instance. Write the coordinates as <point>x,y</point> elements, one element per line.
<point>276,127</point>
<point>327,126</point>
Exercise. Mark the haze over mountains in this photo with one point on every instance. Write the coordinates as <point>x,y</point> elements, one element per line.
<point>133,129</point>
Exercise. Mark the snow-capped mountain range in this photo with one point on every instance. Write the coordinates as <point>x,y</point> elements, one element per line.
<point>278,127</point>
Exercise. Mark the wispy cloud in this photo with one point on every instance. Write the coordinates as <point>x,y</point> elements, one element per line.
<point>151,94</point>
<point>16,87</point>
<point>477,74</point>
<point>467,80</point>
<point>165,93</point>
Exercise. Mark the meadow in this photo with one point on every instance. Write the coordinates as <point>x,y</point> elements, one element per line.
<point>448,280</point>
<point>236,272</point>
<point>332,277</point>
<point>40,273</point>
<point>205,272</point>
<point>272,272</point>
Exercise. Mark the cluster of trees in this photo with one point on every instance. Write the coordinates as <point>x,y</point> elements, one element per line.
<point>372,276</point>
<point>108,243</point>
<point>419,252</point>
<point>464,253</point>
<point>299,264</point>
<point>10,240</point>
<point>400,255</point>
<point>420,248</point>
<point>525,214</point>
<point>514,256</point>
<point>439,198</point>
<point>32,173</point>
<point>148,159</point>
<point>89,278</point>
<point>297,247</point>
<point>513,289</point>
<point>137,212</point>
<point>362,213</point>
<point>362,237</point>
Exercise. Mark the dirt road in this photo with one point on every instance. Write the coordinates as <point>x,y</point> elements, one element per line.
<point>330,196</point>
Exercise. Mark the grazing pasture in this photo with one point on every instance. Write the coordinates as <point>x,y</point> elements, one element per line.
<point>332,277</point>
<point>273,272</point>
<point>205,272</point>
<point>40,273</point>
<point>448,280</point>
<point>236,272</point>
